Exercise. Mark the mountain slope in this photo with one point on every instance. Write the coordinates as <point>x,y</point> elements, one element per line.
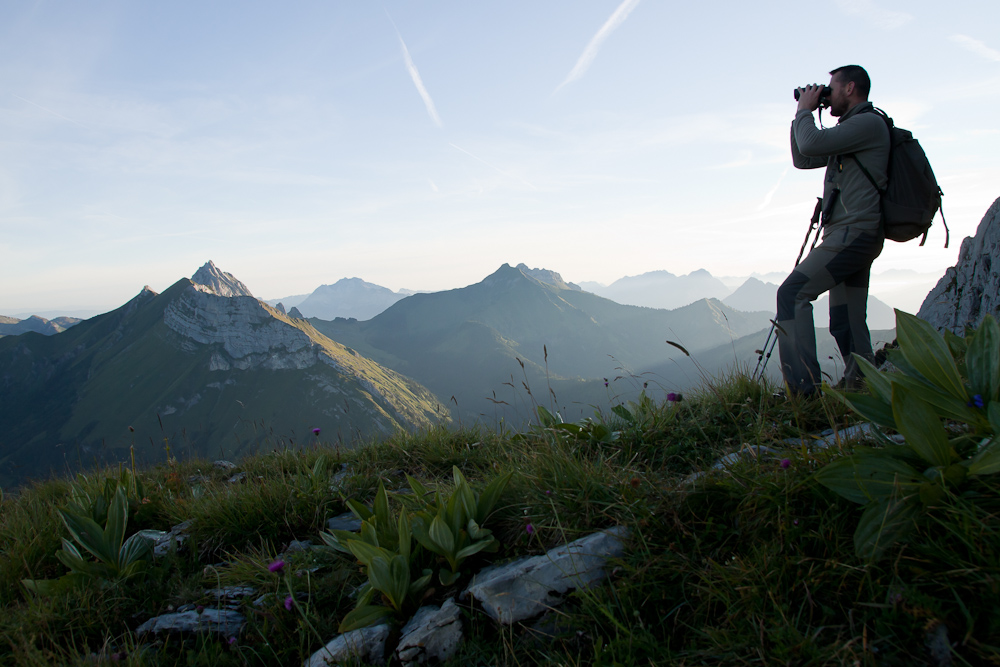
<point>471,342</point>
<point>207,374</point>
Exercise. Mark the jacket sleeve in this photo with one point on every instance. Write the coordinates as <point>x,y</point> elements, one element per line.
<point>854,134</point>
<point>799,160</point>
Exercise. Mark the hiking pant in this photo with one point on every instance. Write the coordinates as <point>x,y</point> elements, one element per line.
<point>841,264</point>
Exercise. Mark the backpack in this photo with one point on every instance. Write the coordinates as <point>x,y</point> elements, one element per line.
<point>912,195</point>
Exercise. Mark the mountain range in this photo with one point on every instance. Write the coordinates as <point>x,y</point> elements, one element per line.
<point>208,369</point>
<point>203,368</point>
<point>12,326</point>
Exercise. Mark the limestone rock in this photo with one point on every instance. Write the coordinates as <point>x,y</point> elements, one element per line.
<point>346,521</point>
<point>971,289</point>
<point>224,622</point>
<point>529,586</point>
<point>166,541</point>
<point>365,645</point>
<point>219,282</point>
<point>752,452</point>
<point>433,634</point>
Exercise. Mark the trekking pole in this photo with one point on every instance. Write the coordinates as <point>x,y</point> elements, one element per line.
<point>764,354</point>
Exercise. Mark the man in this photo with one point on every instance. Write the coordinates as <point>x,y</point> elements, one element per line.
<point>852,228</point>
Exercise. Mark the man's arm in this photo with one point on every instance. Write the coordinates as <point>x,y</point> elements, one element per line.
<point>850,136</point>
<point>800,161</point>
<point>808,102</point>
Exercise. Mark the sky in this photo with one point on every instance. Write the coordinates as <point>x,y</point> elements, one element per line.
<point>421,145</point>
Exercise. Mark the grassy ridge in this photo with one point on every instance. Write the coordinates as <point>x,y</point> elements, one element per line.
<point>754,566</point>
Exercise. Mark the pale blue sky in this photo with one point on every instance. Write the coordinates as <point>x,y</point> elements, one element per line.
<point>423,144</point>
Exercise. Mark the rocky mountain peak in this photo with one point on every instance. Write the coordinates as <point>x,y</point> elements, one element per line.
<point>970,290</point>
<point>547,276</point>
<point>219,282</point>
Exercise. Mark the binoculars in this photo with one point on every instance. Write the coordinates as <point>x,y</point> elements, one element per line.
<point>824,96</point>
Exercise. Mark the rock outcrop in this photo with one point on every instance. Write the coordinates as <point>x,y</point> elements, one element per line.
<point>219,282</point>
<point>970,290</point>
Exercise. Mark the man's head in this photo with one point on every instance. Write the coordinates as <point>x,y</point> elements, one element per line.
<point>850,85</point>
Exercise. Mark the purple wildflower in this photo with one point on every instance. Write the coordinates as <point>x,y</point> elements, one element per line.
<point>288,603</point>
<point>605,382</point>
<point>976,402</point>
<point>316,431</point>
<point>785,463</point>
<point>199,609</point>
<point>232,641</point>
<point>795,522</point>
<point>529,529</point>
<point>548,493</point>
<point>276,566</point>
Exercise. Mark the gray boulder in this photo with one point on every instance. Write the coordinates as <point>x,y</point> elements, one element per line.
<point>221,621</point>
<point>970,290</point>
<point>530,586</point>
<point>432,635</point>
<point>365,645</point>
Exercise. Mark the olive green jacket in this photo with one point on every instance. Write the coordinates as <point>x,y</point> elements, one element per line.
<point>849,199</point>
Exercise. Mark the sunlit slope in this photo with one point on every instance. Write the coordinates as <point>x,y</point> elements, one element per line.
<point>195,371</point>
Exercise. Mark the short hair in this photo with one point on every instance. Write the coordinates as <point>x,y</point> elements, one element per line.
<point>857,75</point>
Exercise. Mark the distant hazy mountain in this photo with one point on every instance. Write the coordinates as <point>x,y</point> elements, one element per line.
<point>348,297</point>
<point>11,326</point>
<point>662,289</point>
<point>209,374</point>
<point>470,342</point>
<point>754,295</point>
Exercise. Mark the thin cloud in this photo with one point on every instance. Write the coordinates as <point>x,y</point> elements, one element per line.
<point>415,75</point>
<point>589,53</point>
<point>882,18</point>
<point>975,46</point>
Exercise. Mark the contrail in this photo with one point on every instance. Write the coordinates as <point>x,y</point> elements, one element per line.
<point>415,75</point>
<point>51,112</point>
<point>977,47</point>
<point>594,46</point>
<point>770,194</point>
<point>492,166</point>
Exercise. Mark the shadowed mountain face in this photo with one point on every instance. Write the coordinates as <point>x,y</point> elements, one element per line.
<point>207,374</point>
<point>470,342</point>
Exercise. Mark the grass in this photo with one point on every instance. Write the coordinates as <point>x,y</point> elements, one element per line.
<point>750,566</point>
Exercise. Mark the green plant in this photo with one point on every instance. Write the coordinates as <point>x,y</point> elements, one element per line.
<point>451,526</point>
<point>896,482</point>
<point>385,547</point>
<point>117,559</point>
<point>552,427</point>
<point>96,506</point>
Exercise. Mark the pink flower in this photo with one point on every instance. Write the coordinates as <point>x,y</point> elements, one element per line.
<point>232,641</point>
<point>276,566</point>
<point>529,529</point>
<point>288,603</point>
<point>316,431</point>
<point>785,463</point>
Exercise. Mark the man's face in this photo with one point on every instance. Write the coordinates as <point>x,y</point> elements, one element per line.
<point>839,102</point>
